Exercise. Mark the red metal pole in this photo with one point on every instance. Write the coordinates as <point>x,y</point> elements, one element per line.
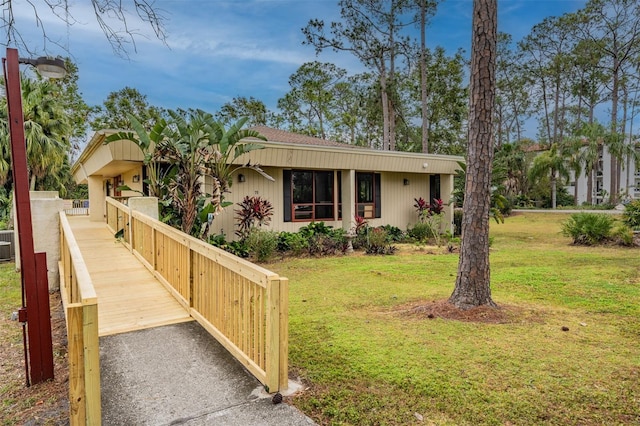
<point>34,277</point>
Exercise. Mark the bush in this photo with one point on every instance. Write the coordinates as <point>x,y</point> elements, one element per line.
<point>379,242</point>
<point>315,228</point>
<point>323,245</point>
<point>420,232</point>
<point>253,212</point>
<point>631,215</point>
<point>238,248</point>
<point>588,228</point>
<point>292,242</point>
<point>262,244</point>
<point>394,234</point>
<point>623,235</point>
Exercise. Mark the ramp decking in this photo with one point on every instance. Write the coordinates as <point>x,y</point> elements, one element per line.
<point>129,296</point>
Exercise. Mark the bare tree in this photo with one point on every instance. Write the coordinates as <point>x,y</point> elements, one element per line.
<point>472,283</point>
<point>106,13</point>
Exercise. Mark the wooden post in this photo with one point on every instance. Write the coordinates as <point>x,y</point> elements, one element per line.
<point>77,398</point>
<point>273,335</point>
<point>284,334</point>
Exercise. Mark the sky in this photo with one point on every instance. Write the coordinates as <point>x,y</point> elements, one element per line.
<point>220,49</point>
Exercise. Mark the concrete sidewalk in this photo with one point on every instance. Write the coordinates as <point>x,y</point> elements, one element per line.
<point>180,375</point>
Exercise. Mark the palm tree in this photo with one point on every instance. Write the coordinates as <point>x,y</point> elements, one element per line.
<point>46,128</point>
<point>552,163</point>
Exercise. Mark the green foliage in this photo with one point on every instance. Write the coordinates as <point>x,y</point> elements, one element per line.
<point>47,130</point>
<point>293,242</point>
<point>588,228</point>
<point>394,234</point>
<point>315,228</point>
<point>120,106</point>
<point>253,212</point>
<point>623,235</point>
<point>238,248</point>
<point>325,244</point>
<point>379,242</point>
<point>631,215</point>
<point>420,232</point>
<point>262,244</point>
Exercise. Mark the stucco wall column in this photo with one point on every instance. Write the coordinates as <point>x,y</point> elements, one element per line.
<point>348,199</point>
<point>97,199</point>
<point>446,189</point>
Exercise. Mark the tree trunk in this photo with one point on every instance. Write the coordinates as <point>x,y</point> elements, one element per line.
<point>423,76</point>
<point>385,111</point>
<point>472,286</point>
<point>615,186</point>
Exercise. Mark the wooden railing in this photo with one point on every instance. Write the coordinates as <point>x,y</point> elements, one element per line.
<point>244,306</point>
<point>81,313</point>
<point>118,219</point>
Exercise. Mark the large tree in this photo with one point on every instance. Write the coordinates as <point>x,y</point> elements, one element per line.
<point>311,97</point>
<point>253,109</point>
<point>472,286</point>
<point>614,28</point>
<point>114,114</point>
<point>372,31</point>
<point>47,131</point>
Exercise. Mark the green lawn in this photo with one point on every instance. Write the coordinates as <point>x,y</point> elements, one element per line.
<point>367,362</point>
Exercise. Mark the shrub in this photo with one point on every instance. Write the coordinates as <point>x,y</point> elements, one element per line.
<point>394,234</point>
<point>323,245</point>
<point>588,228</point>
<point>420,232</point>
<point>315,228</point>
<point>292,242</point>
<point>631,215</point>
<point>623,235</point>
<point>238,248</point>
<point>262,244</point>
<point>379,242</point>
<point>253,212</point>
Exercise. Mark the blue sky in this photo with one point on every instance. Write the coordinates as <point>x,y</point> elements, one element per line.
<point>219,49</point>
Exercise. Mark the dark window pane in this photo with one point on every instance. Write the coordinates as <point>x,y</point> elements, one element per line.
<point>324,187</point>
<point>364,183</point>
<point>324,212</point>
<point>303,212</point>
<point>302,187</point>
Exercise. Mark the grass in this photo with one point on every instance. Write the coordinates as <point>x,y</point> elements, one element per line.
<point>367,362</point>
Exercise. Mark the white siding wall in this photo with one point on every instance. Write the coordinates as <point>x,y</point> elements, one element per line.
<point>397,200</point>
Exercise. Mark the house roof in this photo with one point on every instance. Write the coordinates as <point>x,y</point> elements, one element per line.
<point>285,149</point>
<point>277,135</point>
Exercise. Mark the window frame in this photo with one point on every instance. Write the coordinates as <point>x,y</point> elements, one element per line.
<point>290,205</point>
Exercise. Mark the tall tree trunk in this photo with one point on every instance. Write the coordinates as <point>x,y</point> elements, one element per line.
<point>590,187</point>
<point>392,82</point>
<point>423,76</point>
<point>614,186</point>
<point>384,98</point>
<point>472,286</point>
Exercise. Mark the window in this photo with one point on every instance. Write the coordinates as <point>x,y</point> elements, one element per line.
<point>368,201</point>
<point>308,195</point>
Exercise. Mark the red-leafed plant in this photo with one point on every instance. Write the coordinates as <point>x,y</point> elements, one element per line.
<point>436,206</point>
<point>253,212</point>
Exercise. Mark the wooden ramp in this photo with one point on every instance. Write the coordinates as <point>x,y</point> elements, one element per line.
<point>129,296</point>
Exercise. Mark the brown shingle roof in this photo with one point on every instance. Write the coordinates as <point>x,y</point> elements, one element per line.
<point>283,136</point>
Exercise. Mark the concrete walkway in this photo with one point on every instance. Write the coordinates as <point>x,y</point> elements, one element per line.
<point>180,375</point>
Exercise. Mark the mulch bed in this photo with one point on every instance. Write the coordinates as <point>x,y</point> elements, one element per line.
<point>44,403</point>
